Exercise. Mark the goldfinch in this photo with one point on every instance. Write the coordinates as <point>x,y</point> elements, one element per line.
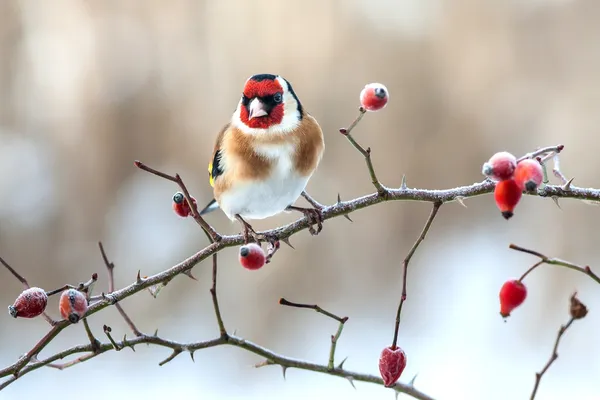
<point>264,157</point>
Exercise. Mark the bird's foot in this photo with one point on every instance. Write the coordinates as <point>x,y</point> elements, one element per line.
<point>249,232</point>
<point>314,217</point>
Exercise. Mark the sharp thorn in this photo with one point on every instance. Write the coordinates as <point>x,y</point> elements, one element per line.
<point>403,184</point>
<point>138,278</point>
<point>283,371</point>
<point>192,356</point>
<point>412,381</point>
<point>348,217</point>
<point>461,200</point>
<point>287,241</point>
<point>188,273</point>
<point>396,394</point>
<point>156,333</point>
<point>341,364</point>
<point>339,199</point>
<point>556,202</point>
<point>351,380</point>
<point>567,186</point>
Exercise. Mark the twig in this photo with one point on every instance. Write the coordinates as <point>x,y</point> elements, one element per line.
<point>334,338</point>
<point>315,307</point>
<point>71,363</point>
<point>434,211</point>
<point>543,151</point>
<point>110,266</point>
<point>554,261</point>
<point>365,152</point>
<point>213,293</point>
<point>93,341</point>
<point>107,330</point>
<point>195,213</point>
<point>553,357</point>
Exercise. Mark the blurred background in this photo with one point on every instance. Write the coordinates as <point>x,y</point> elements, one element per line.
<point>88,87</point>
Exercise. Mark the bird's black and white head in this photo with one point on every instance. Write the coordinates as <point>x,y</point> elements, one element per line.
<point>268,105</point>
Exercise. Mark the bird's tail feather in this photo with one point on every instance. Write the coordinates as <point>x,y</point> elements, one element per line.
<point>210,207</point>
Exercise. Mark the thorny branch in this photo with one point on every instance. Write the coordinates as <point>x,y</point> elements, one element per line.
<point>578,311</point>
<point>30,361</point>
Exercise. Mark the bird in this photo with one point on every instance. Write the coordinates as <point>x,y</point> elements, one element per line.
<point>265,155</point>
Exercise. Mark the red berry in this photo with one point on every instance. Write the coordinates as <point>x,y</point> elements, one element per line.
<point>500,166</point>
<point>252,256</point>
<point>72,305</point>
<point>512,295</point>
<point>529,174</point>
<point>30,303</point>
<point>507,195</point>
<point>374,97</point>
<point>180,206</point>
<point>391,364</point>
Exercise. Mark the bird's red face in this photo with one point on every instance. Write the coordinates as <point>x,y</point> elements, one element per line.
<point>262,104</point>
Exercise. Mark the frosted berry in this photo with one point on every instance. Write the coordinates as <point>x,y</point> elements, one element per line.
<point>500,166</point>
<point>512,295</point>
<point>30,303</point>
<point>507,195</point>
<point>180,206</point>
<point>72,305</point>
<point>392,362</point>
<point>529,174</point>
<point>374,97</point>
<point>252,256</point>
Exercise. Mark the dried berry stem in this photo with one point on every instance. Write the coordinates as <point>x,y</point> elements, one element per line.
<point>432,215</point>
<point>110,266</point>
<point>195,213</point>
<point>555,261</point>
<point>534,266</point>
<point>365,152</point>
<point>553,357</point>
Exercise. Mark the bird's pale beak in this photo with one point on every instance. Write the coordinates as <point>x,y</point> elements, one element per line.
<point>256,109</point>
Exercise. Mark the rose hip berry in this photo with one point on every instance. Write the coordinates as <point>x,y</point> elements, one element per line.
<point>392,362</point>
<point>500,166</point>
<point>512,295</point>
<point>529,174</point>
<point>374,97</point>
<point>72,305</point>
<point>252,256</point>
<point>507,195</point>
<point>180,206</point>
<point>29,304</point>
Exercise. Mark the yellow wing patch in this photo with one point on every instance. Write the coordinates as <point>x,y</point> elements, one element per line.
<point>210,177</point>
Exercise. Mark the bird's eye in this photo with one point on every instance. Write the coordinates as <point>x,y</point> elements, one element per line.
<point>277,98</point>
<point>245,99</point>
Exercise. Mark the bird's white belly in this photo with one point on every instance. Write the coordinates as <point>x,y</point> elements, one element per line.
<point>263,199</point>
<point>258,200</point>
